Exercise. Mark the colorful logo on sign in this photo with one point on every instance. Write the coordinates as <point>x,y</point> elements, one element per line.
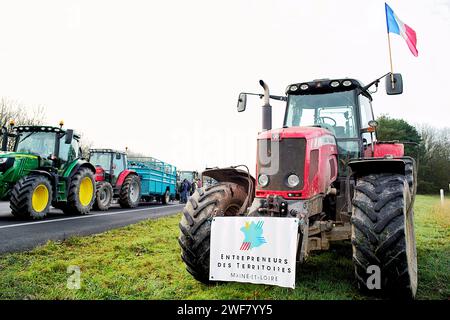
<point>253,237</point>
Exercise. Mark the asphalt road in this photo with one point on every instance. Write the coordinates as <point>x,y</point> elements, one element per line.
<point>19,235</point>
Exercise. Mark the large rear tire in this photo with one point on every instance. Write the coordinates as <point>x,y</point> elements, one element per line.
<point>31,197</point>
<point>81,194</point>
<point>383,234</point>
<point>103,196</point>
<point>223,199</point>
<point>130,193</point>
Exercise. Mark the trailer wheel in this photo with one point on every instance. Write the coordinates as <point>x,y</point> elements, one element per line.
<point>223,199</point>
<point>81,194</point>
<point>31,197</point>
<point>166,197</point>
<point>383,235</point>
<point>103,196</point>
<point>130,193</point>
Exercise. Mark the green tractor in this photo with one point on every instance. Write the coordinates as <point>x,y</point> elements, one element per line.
<point>45,168</point>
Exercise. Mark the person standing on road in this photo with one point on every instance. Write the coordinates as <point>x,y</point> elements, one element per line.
<point>194,186</point>
<point>185,188</point>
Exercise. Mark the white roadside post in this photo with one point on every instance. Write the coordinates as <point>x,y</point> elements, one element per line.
<point>442,197</point>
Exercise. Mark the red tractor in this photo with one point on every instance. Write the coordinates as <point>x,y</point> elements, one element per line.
<point>114,179</point>
<point>325,167</point>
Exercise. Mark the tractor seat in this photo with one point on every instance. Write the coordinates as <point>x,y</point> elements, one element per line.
<point>339,132</point>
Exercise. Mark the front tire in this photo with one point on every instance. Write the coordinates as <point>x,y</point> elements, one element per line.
<point>81,197</point>
<point>383,234</point>
<point>103,196</point>
<point>31,197</point>
<point>223,199</point>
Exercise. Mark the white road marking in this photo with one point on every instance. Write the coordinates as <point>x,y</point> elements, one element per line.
<point>84,217</point>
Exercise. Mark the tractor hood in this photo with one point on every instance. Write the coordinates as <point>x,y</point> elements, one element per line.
<point>10,154</point>
<point>13,166</point>
<point>307,133</point>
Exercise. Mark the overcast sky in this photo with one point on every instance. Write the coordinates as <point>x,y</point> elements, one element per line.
<point>163,77</point>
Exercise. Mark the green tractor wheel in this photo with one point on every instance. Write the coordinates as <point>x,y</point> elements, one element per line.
<point>31,197</point>
<point>81,194</point>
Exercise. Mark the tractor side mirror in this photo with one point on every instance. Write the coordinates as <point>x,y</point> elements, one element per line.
<point>242,102</point>
<point>394,84</point>
<point>373,124</point>
<point>69,136</point>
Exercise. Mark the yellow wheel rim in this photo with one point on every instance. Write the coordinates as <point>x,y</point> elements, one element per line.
<point>86,191</point>
<point>39,199</point>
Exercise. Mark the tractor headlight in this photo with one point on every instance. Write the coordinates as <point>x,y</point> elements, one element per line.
<point>304,86</point>
<point>293,180</point>
<point>334,84</point>
<point>263,180</point>
<point>3,160</point>
<point>347,83</point>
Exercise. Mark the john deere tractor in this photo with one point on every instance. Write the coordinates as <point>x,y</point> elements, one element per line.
<point>326,168</point>
<point>45,168</point>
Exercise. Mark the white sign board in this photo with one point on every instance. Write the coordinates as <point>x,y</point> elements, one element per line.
<point>254,249</point>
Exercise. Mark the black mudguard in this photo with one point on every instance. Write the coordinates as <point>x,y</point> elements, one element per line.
<point>240,177</point>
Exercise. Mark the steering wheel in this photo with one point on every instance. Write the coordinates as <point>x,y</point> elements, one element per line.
<point>322,120</point>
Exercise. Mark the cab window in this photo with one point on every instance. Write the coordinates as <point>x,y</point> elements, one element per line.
<point>68,152</point>
<point>366,116</point>
<point>333,111</point>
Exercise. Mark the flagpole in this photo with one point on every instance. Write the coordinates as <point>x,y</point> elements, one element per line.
<point>390,60</point>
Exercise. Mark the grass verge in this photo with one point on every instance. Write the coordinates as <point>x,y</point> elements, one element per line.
<point>142,261</point>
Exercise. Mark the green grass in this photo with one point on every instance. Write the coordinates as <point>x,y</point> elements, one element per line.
<point>143,262</point>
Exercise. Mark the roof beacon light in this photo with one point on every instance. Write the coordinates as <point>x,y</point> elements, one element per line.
<point>61,123</point>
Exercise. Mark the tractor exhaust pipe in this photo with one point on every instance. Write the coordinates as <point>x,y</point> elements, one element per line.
<point>5,136</point>
<point>266,108</point>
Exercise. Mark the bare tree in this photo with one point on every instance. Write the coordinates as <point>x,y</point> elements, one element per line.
<point>11,110</point>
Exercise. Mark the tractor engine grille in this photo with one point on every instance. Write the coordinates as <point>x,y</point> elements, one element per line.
<point>291,161</point>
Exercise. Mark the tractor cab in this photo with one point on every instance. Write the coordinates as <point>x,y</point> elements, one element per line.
<point>108,164</point>
<point>342,107</point>
<point>51,144</point>
<point>54,146</point>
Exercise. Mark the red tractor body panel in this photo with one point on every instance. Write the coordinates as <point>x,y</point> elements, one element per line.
<point>320,164</point>
<point>99,174</point>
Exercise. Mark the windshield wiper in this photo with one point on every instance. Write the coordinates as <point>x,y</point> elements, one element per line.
<point>27,136</point>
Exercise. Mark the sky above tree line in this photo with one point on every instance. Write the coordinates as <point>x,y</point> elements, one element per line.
<point>163,77</point>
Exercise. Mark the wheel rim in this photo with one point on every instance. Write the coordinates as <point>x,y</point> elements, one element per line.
<point>134,192</point>
<point>39,199</point>
<point>104,197</point>
<point>86,191</point>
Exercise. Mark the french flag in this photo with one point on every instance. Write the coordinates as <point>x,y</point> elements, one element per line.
<point>395,25</point>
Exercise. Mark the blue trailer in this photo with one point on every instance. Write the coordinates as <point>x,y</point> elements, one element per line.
<point>158,178</point>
